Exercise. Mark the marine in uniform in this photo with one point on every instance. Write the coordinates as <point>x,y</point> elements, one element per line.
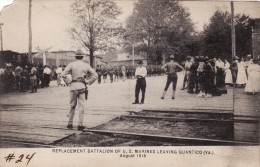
<point>78,70</point>
<point>140,74</point>
<point>99,72</point>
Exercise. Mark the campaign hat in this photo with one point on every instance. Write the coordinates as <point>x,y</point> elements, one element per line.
<point>172,57</point>
<point>79,53</point>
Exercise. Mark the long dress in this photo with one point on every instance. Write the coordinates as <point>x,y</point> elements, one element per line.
<point>228,77</point>
<point>241,74</point>
<point>253,83</point>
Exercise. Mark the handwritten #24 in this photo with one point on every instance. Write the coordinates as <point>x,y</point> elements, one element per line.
<point>20,158</point>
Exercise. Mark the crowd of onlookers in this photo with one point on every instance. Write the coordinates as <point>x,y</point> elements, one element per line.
<point>209,77</point>
<point>24,77</point>
<point>19,77</point>
<point>204,76</point>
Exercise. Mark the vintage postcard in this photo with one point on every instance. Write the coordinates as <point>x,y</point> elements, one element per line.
<point>129,83</point>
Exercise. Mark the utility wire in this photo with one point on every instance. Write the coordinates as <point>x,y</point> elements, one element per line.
<point>65,16</point>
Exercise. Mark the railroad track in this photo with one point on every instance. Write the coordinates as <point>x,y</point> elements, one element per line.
<point>180,127</point>
<point>126,126</point>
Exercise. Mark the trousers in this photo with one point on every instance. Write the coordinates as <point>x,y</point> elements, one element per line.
<point>171,79</point>
<point>140,85</point>
<point>77,97</point>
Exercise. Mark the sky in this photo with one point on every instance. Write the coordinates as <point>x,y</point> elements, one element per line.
<point>51,20</point>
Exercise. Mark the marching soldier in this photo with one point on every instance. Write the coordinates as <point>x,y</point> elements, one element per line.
<point>99,73</point>
<point>117,73</point>
<point>78,70</point>
<point>104,73</point>
<point>111,73</point>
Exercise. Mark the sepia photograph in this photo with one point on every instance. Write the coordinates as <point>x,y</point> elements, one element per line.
<point>129,80</point>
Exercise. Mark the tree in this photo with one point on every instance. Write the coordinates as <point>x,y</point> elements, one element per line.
<point>159,28</point>
<point>95,26</point>
<point>217,35</point>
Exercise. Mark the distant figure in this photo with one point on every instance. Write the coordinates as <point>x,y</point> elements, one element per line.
<point>33,79</point>
<point>248,61</point>
<point>104,73</point>
<point>111,73</point>
<point>187,67</point>
<point>117,73</point>
<point>99,73</point>
<point>58,72</point>
<point>46,75</point>
<point>234,69</point>
<point>172,76</point>
<point>9,77</point>
<point>209,77</point>
<point>228,76</point>
<point>241,74</point>
<point>201,77</point>
<point>140,74</point>
<point>253,83</point>
<point>123,70</point>
<point>18,73</point>
<point>78,70</point>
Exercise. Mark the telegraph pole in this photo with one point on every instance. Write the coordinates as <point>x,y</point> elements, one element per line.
<point>1,35</point>
<point>233,31</point>
<point>30,29</point>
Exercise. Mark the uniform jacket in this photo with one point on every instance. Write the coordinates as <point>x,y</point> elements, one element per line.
<point>79,69</point>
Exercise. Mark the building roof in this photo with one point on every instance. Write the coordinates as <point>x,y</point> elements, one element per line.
<point>128,57</point>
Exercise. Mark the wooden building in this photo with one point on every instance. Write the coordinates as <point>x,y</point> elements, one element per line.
<point>128,60</point>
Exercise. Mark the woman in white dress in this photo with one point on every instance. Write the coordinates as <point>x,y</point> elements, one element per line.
<point>253,83</point>
<point>241,74</point>
<point>228,77</point>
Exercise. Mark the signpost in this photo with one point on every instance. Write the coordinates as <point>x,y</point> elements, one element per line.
<point>43,53</point>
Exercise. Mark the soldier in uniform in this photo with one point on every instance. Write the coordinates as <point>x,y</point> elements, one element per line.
<point>123,70</point>
<point>117,73</point>
<point>111,73</point>
<point>99,73</point>
<point>78,69</point>
<point>104,73</point>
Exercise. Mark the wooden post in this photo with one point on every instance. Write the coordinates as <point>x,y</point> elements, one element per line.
<point>1,35</point>
<point>30,29</point>
<point>233,32</point>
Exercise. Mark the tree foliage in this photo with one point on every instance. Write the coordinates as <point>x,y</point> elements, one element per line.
<point>217,35</point>
<point>95,25</point>
<point>159,28</point>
